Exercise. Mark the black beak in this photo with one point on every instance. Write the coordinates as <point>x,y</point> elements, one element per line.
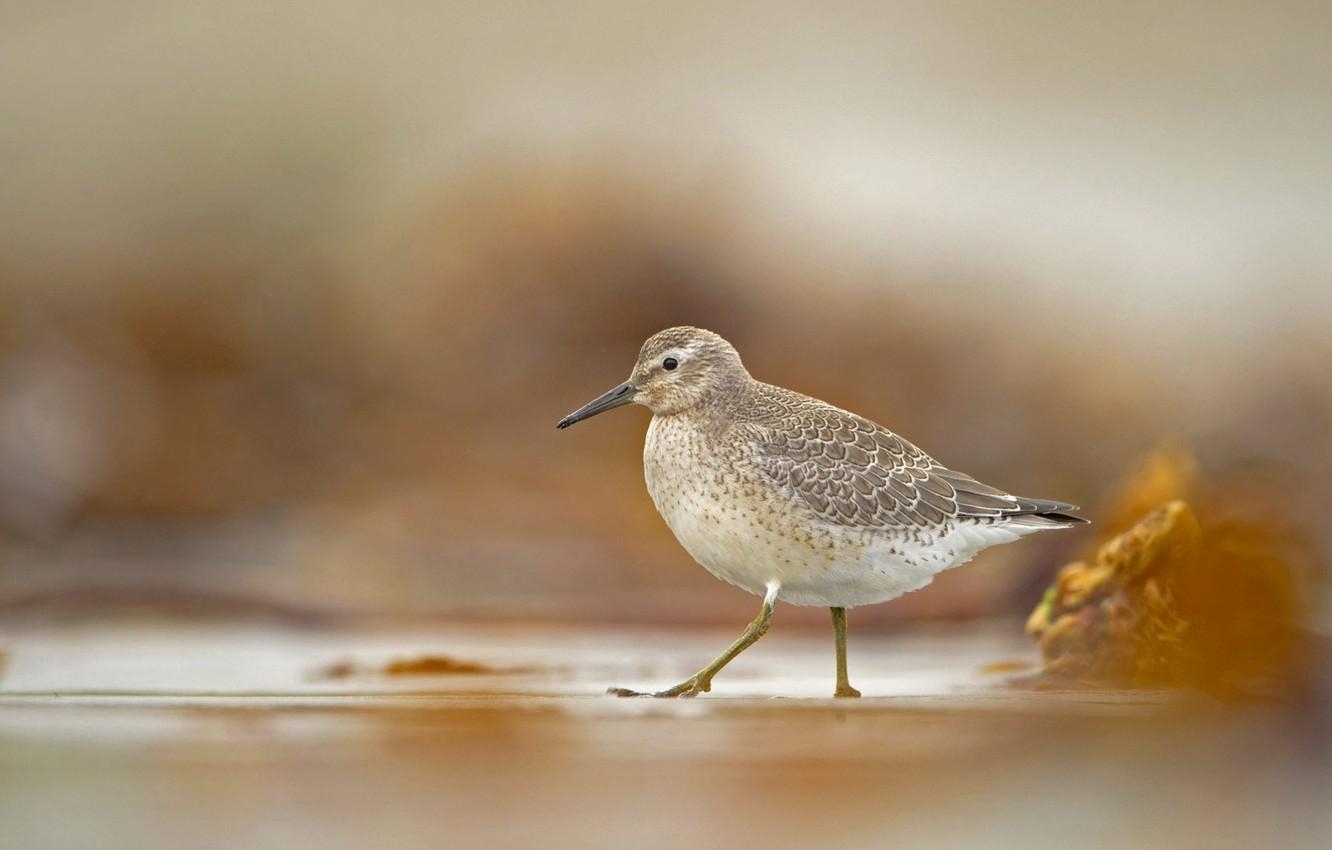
<point>616,397</point>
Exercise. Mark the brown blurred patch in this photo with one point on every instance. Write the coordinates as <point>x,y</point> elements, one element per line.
<point>421,665</point>
<point>1167,473</point>
<point>1010,666</point>
<point>1212,602</point>
<point>433,665</point>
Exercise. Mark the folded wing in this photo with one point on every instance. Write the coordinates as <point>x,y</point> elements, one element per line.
<point>852,472</point>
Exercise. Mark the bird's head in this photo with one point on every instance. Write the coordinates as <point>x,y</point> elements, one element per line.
<point>677,369</point>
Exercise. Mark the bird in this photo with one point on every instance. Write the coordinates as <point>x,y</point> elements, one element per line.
<point>795,500</point>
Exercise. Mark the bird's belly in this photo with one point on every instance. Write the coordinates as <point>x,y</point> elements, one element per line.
<point>866,567</point>
<point>747,532</point>
<point>750,543</point>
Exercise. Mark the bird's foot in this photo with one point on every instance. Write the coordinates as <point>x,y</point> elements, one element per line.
<point>845,690</point>
<point>691,687</point>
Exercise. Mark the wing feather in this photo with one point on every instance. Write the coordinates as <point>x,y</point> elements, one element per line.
<point>853,472</point>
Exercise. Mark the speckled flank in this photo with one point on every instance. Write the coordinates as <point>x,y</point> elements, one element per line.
<point>761,485</point>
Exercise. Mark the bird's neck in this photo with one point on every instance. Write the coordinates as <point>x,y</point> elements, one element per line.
<point>717,409</point>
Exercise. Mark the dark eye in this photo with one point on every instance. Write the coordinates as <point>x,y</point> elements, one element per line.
<point>669,363</point>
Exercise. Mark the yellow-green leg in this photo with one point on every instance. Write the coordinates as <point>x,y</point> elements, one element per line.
<point>701,682</point>
<point>844,688</point>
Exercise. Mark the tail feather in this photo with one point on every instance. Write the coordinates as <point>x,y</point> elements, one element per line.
<point>979,501</point>
<point>1042,513</point>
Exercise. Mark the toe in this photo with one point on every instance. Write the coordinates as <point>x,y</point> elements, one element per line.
<point>691,688</point>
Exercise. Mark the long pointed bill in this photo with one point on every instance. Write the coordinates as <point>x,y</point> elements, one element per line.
<point>615,397</point>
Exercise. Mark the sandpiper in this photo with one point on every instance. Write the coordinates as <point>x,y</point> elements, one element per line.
<point>791,498</point>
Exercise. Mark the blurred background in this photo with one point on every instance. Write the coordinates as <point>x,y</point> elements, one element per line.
<point>292,297</point>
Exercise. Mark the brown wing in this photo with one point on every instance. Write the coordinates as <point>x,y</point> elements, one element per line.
<point>853,472</point>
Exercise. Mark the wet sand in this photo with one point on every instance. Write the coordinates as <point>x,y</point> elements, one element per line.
<point>249,737</point>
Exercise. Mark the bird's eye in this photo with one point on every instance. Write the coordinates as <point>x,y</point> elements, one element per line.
<point>669,363</point>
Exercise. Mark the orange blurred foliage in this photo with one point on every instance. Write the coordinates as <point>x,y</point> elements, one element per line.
<point>1213,601</point>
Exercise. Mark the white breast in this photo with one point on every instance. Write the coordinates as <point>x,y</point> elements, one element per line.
<point>702,499</point>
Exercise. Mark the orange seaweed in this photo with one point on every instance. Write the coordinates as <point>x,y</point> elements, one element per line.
<point>433,665</point>
<point>1175,601</point>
